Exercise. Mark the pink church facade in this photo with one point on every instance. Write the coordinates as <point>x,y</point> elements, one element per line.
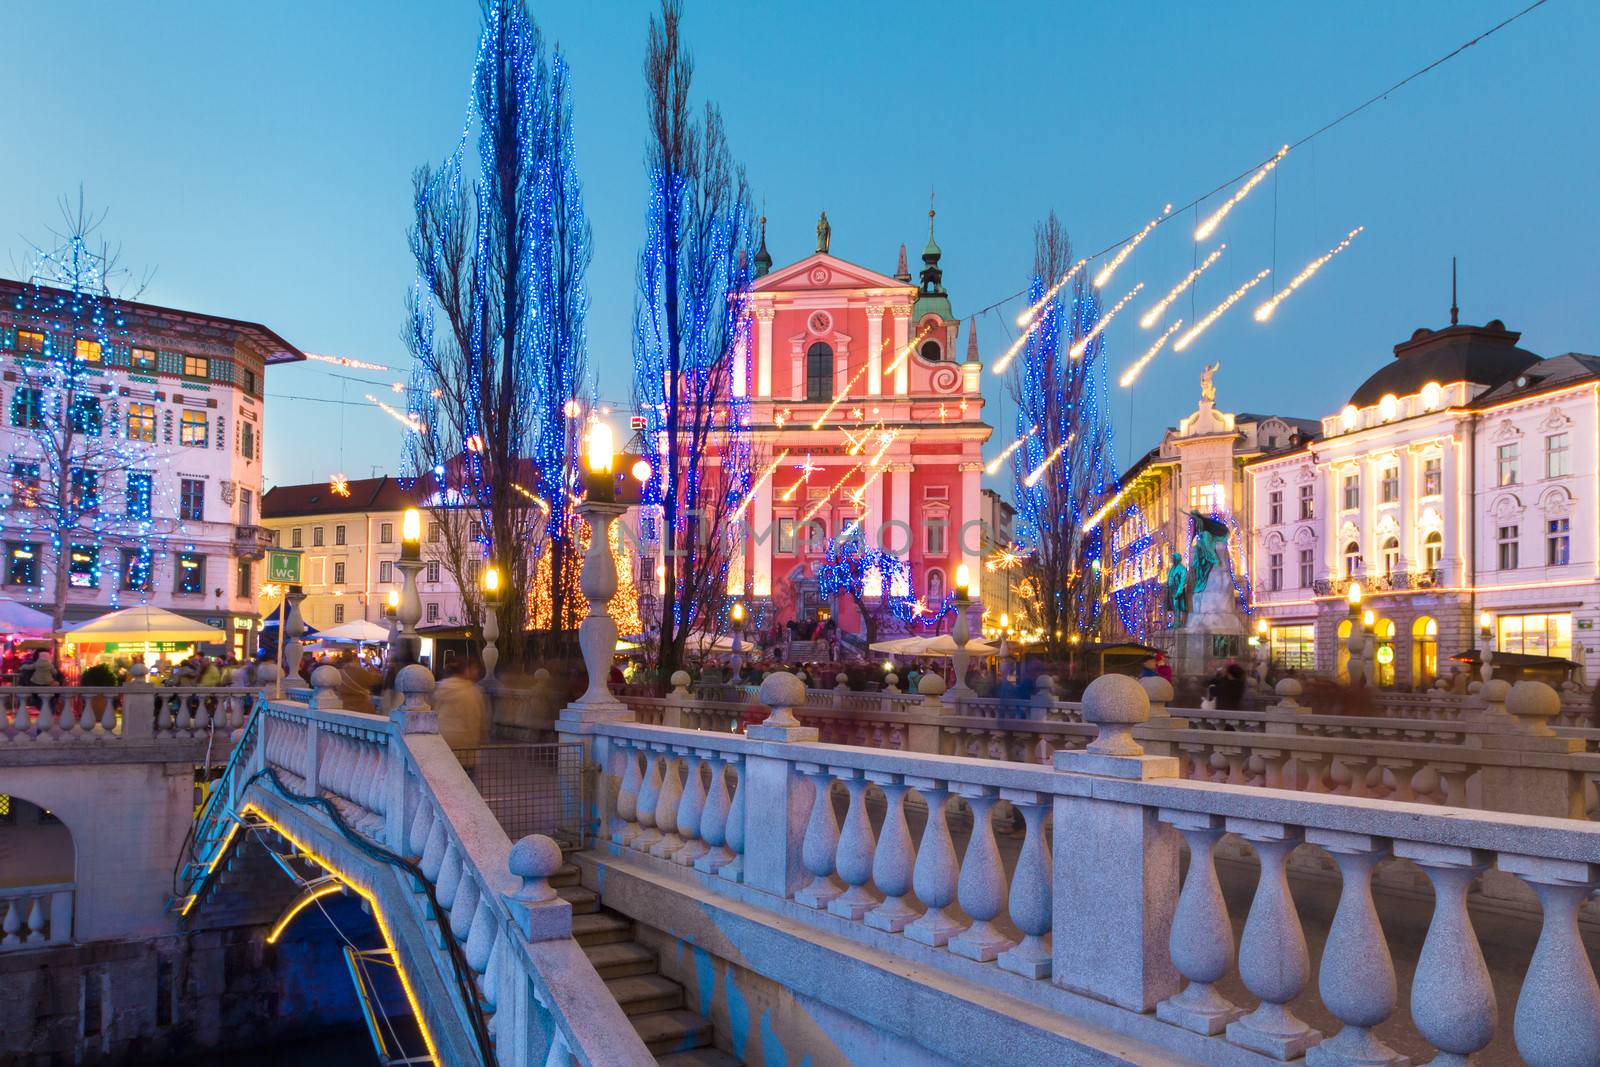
<point>865,400</point>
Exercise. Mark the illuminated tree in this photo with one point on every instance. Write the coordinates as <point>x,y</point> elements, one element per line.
<point>624,605</point>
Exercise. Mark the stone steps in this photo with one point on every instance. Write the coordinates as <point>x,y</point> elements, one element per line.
<point>665,1032</point>
<point>583,901</point>
<point>641,994</point>
<point>621,959</point>
<point>601,928</point>
<point>699,1057</point>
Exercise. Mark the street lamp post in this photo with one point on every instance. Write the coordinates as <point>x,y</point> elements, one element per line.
<point>1356,642</point>
<point>736,616</point>
<point>409,609</point>
<point>1486,657</point>
<point>962,634</point>
<point>1005,650</point>
<point>491,621</point>
<point>597,634</point>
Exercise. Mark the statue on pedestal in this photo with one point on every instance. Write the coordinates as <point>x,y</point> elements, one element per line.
<point>1203,553</point>
<point>824,233</point>
<point>1177,596</point>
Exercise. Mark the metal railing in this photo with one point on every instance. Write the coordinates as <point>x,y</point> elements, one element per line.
<point>531,788</point>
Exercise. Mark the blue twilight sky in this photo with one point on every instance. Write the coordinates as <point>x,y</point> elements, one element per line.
<point>259,155</point>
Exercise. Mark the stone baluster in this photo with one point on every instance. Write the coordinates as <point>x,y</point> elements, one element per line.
<point>714,819</point>
<point>821,842</point>
<point>1452,998</point>
<point>934,877</point>
<point>11,925</point>
<point>36,920</point>
<point>1356,978</point>
<point>1274,960</point>
<point>628,796</point>
<point>892,858</point>
<point>649,794</point>
<point>733,870</point>
<point>853,861</point>
<point>464,903</point>
<point>1202,935</point>
<point>667,808</point>
<point>72,716</point>
<point>1031,903</point>
<point>45,728</point>
<point>691,808</point>
<point>1310,765</point>
<point>1558,1008</point>
<point>982,885</point>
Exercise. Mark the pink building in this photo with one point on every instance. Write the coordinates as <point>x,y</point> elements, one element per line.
<point>856,376</point>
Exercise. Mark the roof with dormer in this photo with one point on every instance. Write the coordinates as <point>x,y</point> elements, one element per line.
<point>1484,355</point>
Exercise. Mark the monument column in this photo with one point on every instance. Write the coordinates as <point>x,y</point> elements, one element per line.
<point>901,359</point>
<point>874,349</point>
<point>764,316</point>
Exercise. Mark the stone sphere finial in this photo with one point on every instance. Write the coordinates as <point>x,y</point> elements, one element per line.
<point>542,674</point>
<point>1495,691</point>
<point>535,859</point>
<point>1115,703</point>
<point>1157,688</point>
<point>1534,704</point>
<point>681,679</point>
<point>414,680</point>
<point>780,689</point>
<point>137,670</point>
<point>842,680</point>
<point>1045,685</point>
<point>932,685</point>
<point>891,682</point>
<point>325,681</point>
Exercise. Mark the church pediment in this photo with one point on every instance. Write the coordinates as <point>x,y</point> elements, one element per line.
<point>822,271</point>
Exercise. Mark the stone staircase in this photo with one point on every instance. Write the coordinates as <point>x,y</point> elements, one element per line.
<point>654,1003</point>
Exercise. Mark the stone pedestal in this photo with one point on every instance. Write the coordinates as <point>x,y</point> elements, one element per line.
<point>1213,633</point>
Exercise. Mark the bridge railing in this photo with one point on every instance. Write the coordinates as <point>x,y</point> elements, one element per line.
<point>1094,903</point>
<point>135,711</point>
<point>394,783</point>
<point>1498,759</point>
<point>35,915</point>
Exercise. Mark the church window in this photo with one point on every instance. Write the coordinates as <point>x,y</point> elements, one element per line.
<point>819,373</point>
<point>931,351</point>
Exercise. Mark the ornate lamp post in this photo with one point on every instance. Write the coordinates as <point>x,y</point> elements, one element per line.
<point>409,609</point>
<point>1005,648</point>
<point>1486,657</point>
<point>1356,642</point>
<point>597,634</point>
<point>962,634</point>
<point>391,614</point>
<point>736,616</point>
<point>491,620</point>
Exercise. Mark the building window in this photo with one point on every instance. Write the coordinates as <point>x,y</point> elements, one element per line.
<point>935,589</point>
<point>934,539</point>
<point>1352,492</point>
<point>27,407</point>
<point>1432,476</point>
<point>786,536</point>
<point>192,499</point>
<point>1391,555</point>
<point>1432,550</point>
<point>87,351</point>
<point>142,423</point>
<point>931,351</point>
<point>192,429</point>
<point>386,533</point>
<point>135,570</point>
<point>247,439</point>
<point>143,359</point>
<point>295,538</point>
<point>434,533</point>
<point>1308,568</point>
<point>22,563</point>
<point>1308,507</point>
<point>1389,486</point>
<point>1557,456</point>
<point>819,373</point>
<point>1208,499</point>
<point>338,572</point>
<point>30,343</point>
<point>244,580</point>
<point>1558,543</point>
<point>1506,539</point>
<point>83,567</point>
<point>1352,559</point>
<point>338,614</point>
<point>813,535</point>
<point>1275,506</point>
<point>191,573</point>
<point>433,611</point>
<point>1536,635</point>
<point>386,572</point>
<point>1424,651</point>
<point>1507,463</point>
<point>317,536</point>
<point>247,512</point>
<point>84,486</point>
<point>85,417</point>
<point>24,484</point>
<point>433,570</point>
<point>196,367</point>
<point>1275,571</point>
<point>1293,648</point>
<point>338,534</point>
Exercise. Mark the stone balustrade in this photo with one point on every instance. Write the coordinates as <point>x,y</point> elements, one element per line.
<point>1093,904</point>
<point>318,768</point>
<point>136,711</point>
<point>35,915</point>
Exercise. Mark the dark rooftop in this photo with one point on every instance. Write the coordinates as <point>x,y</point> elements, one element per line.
<point>1486,355</point>
<point>317,498</point>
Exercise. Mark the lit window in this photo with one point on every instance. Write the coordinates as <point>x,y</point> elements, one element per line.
<point>1208,499</point>
<point>84,489</point>
<point>192,499</point>
<point>1557,456</point>
<point>191,573</point>
<point>1308,507</point>
<point>1349,418</point>
<point>786,536</point>
<point>1558,543</point>
<point>87,351</point>
<point>1293,648</point>
<point>142,422</point>
<point>1352,559</point>
<point>1391,555</point>
<point>27,407</point>
<point>136,570</point>
<point>83,567</point>
<point>30,342</point>
<point>22,563</point>
<point>1432,476</point>
<point>196,367</point>
<point>193,429</point>
<point>143,359</point>
<point>1536,635</point>
<point>1506,540</point>
<point>1507,464</point>
<point>1389,407</point>
<point>1432,393</point>
<point>24,484</point>
<point>1432,550</point>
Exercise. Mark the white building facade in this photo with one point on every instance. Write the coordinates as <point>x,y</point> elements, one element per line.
<point>178,399</point>
<point>1458,487</point>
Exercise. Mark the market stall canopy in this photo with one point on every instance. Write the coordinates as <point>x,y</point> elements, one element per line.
<point>899,646</point>
<point>358,631</point>
<point>143,623</point>
<point>18,618</point>
<point>942,645</point>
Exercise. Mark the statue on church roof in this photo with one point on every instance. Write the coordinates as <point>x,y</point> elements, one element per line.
<point>1208,391</point>
<point>824,233</point>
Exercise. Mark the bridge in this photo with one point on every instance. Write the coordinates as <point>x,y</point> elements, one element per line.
<point>937,882</point>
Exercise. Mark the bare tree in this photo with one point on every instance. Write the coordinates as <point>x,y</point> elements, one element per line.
<point>689,313</point>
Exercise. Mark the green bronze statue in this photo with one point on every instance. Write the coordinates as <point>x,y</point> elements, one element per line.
<point>1177,588</point>
<point>1203,554</point>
